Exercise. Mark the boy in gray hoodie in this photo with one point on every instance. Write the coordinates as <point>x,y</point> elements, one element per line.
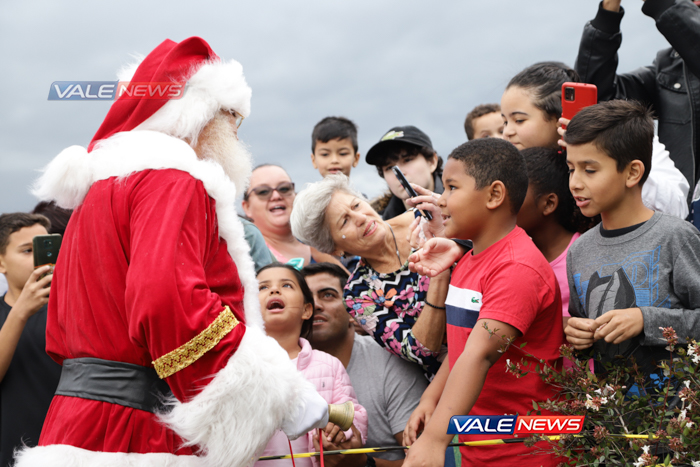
<point>639,270</point>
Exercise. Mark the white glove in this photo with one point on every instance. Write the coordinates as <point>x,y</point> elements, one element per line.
<point>311,413</point>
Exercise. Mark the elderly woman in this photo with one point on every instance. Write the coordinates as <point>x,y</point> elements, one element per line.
<point>268,203</point>
<point>403,311</point>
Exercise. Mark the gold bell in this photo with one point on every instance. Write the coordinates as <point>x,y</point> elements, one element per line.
<point>341,414</point>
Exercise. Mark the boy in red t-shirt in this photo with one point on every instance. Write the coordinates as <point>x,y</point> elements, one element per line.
<point>504,284</point>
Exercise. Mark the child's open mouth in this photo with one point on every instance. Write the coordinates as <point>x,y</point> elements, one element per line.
<point>275,304</point>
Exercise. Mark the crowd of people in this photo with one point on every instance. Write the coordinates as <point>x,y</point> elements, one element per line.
<point>174,331</point>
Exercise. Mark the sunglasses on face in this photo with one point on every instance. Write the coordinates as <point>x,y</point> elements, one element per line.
<point>264,192</point>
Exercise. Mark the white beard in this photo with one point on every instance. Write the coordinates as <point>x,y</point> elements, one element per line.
<point>218,143</point>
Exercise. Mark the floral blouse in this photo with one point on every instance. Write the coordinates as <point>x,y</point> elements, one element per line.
<point>387,306</point>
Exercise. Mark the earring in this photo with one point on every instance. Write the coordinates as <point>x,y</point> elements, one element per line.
<point>343,236</point>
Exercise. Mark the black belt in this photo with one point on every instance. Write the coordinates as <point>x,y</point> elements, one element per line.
<point>126,384</point>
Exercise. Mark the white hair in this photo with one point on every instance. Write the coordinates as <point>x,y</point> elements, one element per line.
<point>308,217</point>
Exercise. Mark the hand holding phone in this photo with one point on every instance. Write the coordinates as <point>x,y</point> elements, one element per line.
<point>45,249</point>
<point>409,189</point>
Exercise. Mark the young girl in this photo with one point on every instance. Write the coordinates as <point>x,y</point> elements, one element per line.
<point>287,307</point>
<point>549,214</point>
<point>531,107</point>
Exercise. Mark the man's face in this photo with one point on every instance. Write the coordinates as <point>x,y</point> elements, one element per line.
<point>218,142</point>
<point>488,126</point>
<point>17,263</point>
<point>335,156</point>
<point>331,320</point>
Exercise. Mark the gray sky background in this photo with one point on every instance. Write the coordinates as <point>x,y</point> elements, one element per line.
<point>380,64</point>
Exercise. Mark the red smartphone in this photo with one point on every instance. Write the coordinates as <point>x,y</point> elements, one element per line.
<point>576,96</point>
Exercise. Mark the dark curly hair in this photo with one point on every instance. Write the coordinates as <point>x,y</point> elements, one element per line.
<point>548,173</point>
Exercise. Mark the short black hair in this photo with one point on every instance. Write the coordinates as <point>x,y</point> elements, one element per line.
<point>543,80</point>
<point>491,159</point>
<point>398,150</point>
<point>623,130</point>
<point>14,221</point>
<point>58,216</point>
<point>478,111</point>
<point>306,326</point>
<point>334,128</point>
<point>548,172</point>
<point>328,268</point>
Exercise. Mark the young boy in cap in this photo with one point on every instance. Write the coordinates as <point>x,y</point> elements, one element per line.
<point>412,151</point>
<point>502,291</point>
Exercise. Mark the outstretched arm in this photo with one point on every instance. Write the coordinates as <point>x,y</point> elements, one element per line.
<point>679,22</point>
<point>597,59</point>
<point>461,391</point>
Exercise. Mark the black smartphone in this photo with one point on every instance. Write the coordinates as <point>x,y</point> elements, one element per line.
<point>45,249</point>
<point>409,189</point>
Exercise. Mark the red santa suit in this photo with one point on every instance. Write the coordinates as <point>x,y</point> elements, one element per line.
<point>154,272</point>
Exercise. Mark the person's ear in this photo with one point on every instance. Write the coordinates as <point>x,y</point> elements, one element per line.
<point>3,267</point>
<point>246,209</point>
<point>547,204</point>
<point>308,311</point>
<point>313,160</point>
<point>635,172</point>
<point>357,160</point>
<point>433,163</point>
<point>496,195</point>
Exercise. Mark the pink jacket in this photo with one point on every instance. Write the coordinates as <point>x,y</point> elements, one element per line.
<point>333,384</point>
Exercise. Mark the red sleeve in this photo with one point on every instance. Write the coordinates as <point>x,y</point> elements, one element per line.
<point>514,294</point>
<point>173,235</point>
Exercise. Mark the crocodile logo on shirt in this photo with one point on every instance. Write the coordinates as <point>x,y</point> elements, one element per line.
<point>475,300</point>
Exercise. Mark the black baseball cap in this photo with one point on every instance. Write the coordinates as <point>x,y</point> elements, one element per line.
<point>406,134</point>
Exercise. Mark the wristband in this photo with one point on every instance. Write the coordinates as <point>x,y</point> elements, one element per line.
<point>434,306</point>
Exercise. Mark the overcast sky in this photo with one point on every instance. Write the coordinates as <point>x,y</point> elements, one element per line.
<point>379,63</point>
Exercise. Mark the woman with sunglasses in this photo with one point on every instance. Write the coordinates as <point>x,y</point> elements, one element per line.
<point>268,203</point>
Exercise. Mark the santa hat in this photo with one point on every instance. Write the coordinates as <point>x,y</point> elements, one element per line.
<point>211,85</point>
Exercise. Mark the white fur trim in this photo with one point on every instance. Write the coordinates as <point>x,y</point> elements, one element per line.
<point>61,455</point>
<point>69,176</point>
<point>236,414</point>
<point>215,85</point>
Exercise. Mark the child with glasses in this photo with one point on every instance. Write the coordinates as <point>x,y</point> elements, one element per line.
<point>268,203</point>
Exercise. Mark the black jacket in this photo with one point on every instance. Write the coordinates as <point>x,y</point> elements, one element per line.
<point>671,85</point>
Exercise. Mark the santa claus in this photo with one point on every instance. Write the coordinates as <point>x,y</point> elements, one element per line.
<point>154,310</point>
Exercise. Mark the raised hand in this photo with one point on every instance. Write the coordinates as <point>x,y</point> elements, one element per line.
<point>436,256</point>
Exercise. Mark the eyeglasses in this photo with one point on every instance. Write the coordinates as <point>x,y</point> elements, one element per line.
<point>239,118</point>
<point>264,192</point>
